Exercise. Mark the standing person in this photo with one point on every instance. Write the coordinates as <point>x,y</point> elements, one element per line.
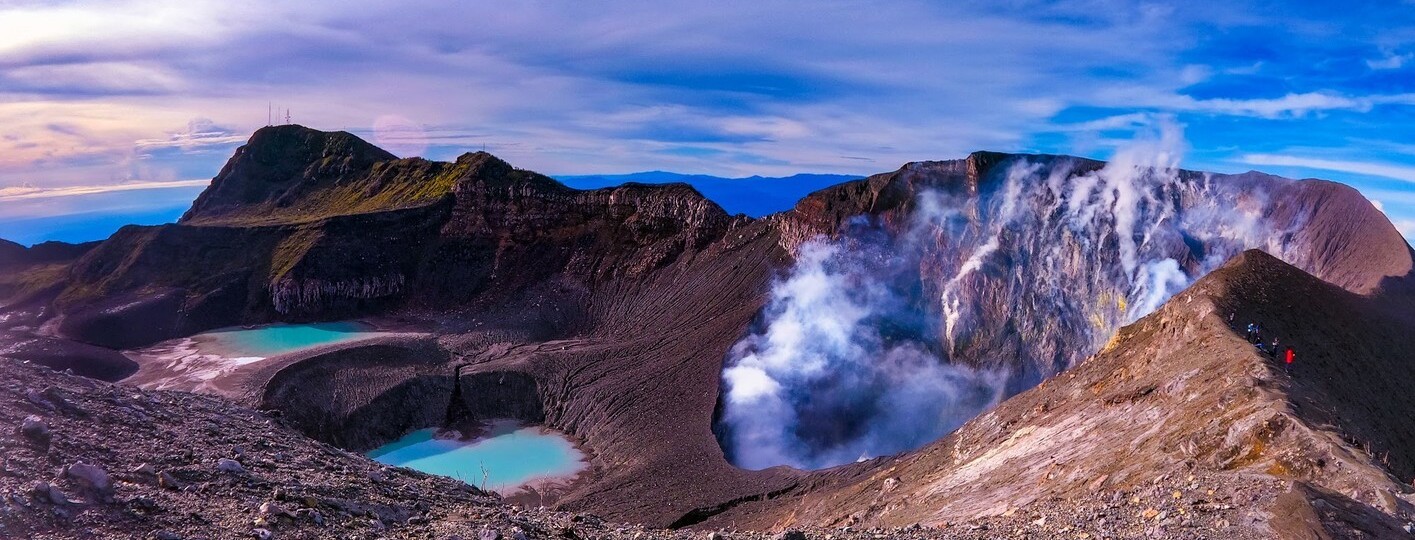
<point>1288,357</point>
<point>1253,333</point>
<point>1272,352</point>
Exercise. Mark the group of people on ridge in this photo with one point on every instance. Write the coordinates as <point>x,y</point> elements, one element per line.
<point>1254,333</point>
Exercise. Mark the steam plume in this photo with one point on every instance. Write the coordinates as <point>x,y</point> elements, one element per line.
<point>887,337</point>
<point>842,370</point>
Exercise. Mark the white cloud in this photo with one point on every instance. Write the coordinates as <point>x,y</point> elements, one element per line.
<point>1398,172</point>
<point>1391,60</point>
<point>1290,105</point>
<point>19,193</point>
<point>1119,121</point>
<point>1407,228</point>
<point>199,132</point>
<point>94,77</point>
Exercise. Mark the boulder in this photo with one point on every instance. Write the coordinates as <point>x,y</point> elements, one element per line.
<point>94,477</point>
<point>45,491</point>
<point>34,429</point>
<point>166,480</point>
<point>230,466</point>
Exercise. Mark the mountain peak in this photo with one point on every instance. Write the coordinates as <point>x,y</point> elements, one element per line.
<point>484,163</point>
<point>294,141</point>
<point>280,163</point>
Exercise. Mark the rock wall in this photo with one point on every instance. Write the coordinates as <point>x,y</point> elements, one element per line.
<point>364,396</point>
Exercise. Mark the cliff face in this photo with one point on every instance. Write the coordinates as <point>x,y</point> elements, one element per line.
<point>302,224</point>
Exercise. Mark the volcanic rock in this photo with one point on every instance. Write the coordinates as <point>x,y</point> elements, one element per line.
<point>273,509</point>
<point>61,354</point>
<point>230,466</point>
<point>47,492</point>
<point>95,478</point>
<point>34,428</point>
<point>167,481</point>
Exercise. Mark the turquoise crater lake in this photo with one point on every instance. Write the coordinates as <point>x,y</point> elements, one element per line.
<point>198,363</point>
<point>512,456</point>
<point>282,338</point>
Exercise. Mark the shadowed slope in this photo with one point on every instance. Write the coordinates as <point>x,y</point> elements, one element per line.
<point>1178,393</point>
<point>307,225</point>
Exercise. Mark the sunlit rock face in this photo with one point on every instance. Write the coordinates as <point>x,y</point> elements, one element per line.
<point>957,284</point>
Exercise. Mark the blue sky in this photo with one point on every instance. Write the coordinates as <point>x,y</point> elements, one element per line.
<point>137,93</point>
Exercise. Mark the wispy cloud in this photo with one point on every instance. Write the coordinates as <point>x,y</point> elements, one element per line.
<point>1387,170</point>
<point>1291,105</point>
<point>1129,121</point>
<point>20,193</point>
<point>1390,60</point>
<point>1295,104</point>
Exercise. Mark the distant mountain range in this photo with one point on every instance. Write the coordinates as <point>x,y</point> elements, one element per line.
<point>84,227</point>
<point>755,196</point>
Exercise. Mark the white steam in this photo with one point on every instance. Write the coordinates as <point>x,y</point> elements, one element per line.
<point>885,339</point>
<point>826,383</point>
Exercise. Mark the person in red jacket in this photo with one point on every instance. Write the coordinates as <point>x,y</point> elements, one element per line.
<point>1288,357</point>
